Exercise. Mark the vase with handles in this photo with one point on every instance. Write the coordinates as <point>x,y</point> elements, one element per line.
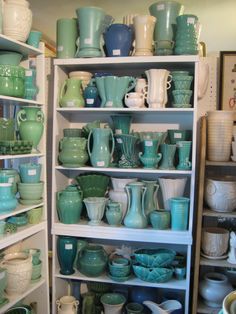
<point>66,254</point>
<point>69,204</point>
<point>30,122</point>
<point>144,28</point>
<point>171,187</point>
<point>114,213</point>
<point>158,84</point>
<point>70,93</point>
<point>67,305</point>
<point>118,40</point>
<point>8,201</point>
<point>150,198</point>
<point>135,216</point>
<point>101,153</point>
<point>73,152</point>
<point>17,19</point>
<point>150,157</point>
<point>184,149</point>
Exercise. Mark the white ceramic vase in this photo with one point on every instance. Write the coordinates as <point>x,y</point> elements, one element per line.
<point>215,241</point>
<point>158,84</point>
<point>17,19</point>
<point>171,187</point>
<point>95,207</point>
<point>67,305</point>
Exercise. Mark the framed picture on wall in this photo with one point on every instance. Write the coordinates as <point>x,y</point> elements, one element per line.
<point>228,80</point>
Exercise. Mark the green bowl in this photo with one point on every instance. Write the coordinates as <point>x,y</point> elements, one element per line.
<point>30,191</point>
<point>154,257</point>
<point>153,274</point>
<point>10,57</point>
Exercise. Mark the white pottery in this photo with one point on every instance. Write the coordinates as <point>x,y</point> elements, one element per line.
<point>95,207</point>
<point>232,252</point>
<point>128,19</point>
<point>17,19</point>
<point>141,85</point>
<point>84,76</point>
<point>220,193</point>
<point>229,303</point>
<point>213,289</point>
<point>121,197</point>
<point>215,241</point>
<point>67,305</point>
<point>19,271</point>
<point>134,100</point>
<point>14,248</point>
<point>171,187</point>
<point>165,307</point>
<point>119,184</point>
<point>158,84</point>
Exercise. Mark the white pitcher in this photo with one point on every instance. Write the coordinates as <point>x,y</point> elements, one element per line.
<point>67,305</point>
<point>158,84</point>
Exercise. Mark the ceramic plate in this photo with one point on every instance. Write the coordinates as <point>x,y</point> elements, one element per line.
<point>30,202</point>
<point>214,257</point>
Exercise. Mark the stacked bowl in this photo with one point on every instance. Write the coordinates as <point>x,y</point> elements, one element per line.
<point>182,92</point>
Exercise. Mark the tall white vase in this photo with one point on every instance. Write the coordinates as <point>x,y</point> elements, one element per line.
<point>158,84</point>
<point>171,187</point>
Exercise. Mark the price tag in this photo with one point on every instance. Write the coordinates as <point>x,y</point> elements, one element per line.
<point>190,20</point>
<point>160,7</point>
<point>116,52</point>
<point>118,131</point>
<point>70,104</point>
<point>100,163</point>
<point>90,101</point>
<point>28,73</point>
<point>148,143</point>
<point>68,246</point>
<point>32,172</point>
<point>177,135</point>
<point>60,48</point>
<point>119,140</point>
<point>88,41</point>
<point>109,103</point>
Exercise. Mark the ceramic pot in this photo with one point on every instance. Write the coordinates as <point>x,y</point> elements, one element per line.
<point>215,241</point>
<point>184,150</point>
<point>70,93</point>
<point>66,253</point>
<point>92,260</point>
<point>67,305</point>
<point>229,303</point>
<point>73,152</point>
<point>30,172</point>
<point>66,35</point>
<point>17,19</point>
<point>168,155</point>
<point>150,198</point>
<point>19,271</point>
<point>127,144</point>
<point>113,303</point>
<point>95,207</point>
<point>10,175</point>
<point>150,158</point>
<point>121,123</point>
<point>120,197</point>
<point>160,219</point>
<point>31,89</point>
<point>8,201</point>
<point>213,289</point>
<point>114,213</point>
<point>69,204</point>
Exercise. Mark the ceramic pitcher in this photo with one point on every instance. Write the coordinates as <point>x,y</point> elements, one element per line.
<point>101,154</point>
<point>73,152</point>
<point>158,84</point>
<point>67,305</point>
<point>70,93</point>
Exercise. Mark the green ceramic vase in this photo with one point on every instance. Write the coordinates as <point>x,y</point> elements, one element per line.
<point>66,253</point>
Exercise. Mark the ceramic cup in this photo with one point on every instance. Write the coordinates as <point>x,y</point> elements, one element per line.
<point>34,38</point>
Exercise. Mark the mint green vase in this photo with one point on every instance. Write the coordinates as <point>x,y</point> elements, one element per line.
<point>149,157</point>
<point>70,93</point>
<point>150,199</point>
<point>168,155</point>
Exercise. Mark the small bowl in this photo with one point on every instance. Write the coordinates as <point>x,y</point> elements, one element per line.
<point>154,257</point>
<point>119,270</point>
<point>31,191</point>
<point>155,274</point>
<point>19,220</point>
<point>113,299</point>
<point>30,172</point>
<point>10,57</point>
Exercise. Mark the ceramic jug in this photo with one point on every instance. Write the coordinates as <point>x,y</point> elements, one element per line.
<point>67,305</point>
<point>149,157</point>
<point>30,121</point>
<point>66,254</point>
<point>118,40</point>
<point>135,216</point>
<point>143,29</point>
<point>73,152</point>
<point>158,84</point>
<point>101,154</point>
<point>150,198</point>
<point>114,213</point>
<point>69,204</point>
<point>70,93</point>
<point>8,201</point>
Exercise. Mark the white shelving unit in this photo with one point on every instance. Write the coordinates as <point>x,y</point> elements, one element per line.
<point>143,120</point>
<point>30,236</point>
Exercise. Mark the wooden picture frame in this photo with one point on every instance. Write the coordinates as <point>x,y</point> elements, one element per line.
<point>227,95</point>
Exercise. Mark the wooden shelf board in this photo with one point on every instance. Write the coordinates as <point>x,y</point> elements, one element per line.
<point>211,213</point>
<point>221,163</point>
<point>217,263</point>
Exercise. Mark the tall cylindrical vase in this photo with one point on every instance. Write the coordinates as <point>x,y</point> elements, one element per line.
<point>67,34</point>
<point>66,253</point>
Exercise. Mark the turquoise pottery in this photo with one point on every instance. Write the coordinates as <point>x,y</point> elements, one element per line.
<point>182,97</point>
<point>20,309</point>
<point>19,220</point>
<point>179,73</point>
<point>35,215</point>
<point>34,38</point>
<point>159,136</point>
<point>70,93</point>
<point>176,135</point>
<point>8,201</point>
<point>134,308</point>
<point>179,207</point>
<point>154,274</point>
<point>150,158</point>
<point>35,253</point>
<point>66,35</point>
<point>182,82</point>
<point>36,271</point>
<point>69,204</point>
<point>93,184</point>
<point>87,128</point>
<point>121,123</point>
<point>168,154</point>
<point>154,257</point>
<point>92,260</point>
<point>9,175</point>
<point>114,213</point>
<point>10,57</point>
<point>66,253</point>
<point>72,132</point>
<point>7,129</point>
<point>150,197</point>
<point>31,89</point>
<point>91,95</point>
<point>128,144</point>
<point>3,285</point>
<point>160,219</point>
<point>30,172</point>
<point>100,83</point>
<point>183,150</point>
<point>31,191</point>
<point>113,302</point>
<point>80,245</point>
<point>95,207</point>
<point>119,270</point>
<point>180,272</point>
<point>100,154</point>
<point>135,216</point>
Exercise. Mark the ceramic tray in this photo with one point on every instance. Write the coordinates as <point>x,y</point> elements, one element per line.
<point>15,147</point>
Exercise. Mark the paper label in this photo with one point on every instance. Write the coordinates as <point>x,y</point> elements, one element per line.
<point>68,246</point>
<point>88,41</point>
<point>190,20</point>
<point>10,180</point>
<point>90,101</point>
<point>160,7</point>
<point>109,103</point>
<point>148,143</point>
<point>100,163</point>
<point>60,48</point>
<point>118,131</point>
<point>177,135</point>
<point>70,104</point>
<point>116,52</point>
<point>32,172</point>
<point>119,140</point>
<point>28,73</point>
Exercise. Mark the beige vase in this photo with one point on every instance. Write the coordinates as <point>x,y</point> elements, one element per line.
<point>215,241</point>
<point>67,305</point>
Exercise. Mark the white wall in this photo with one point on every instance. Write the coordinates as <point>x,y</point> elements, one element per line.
<point>218,17</point>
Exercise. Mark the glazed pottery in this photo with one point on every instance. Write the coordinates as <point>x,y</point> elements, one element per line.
<point>150,158</point>
<point>12,80</point>
<point>158,84</point>
<point>168,154</point>
<point>179,207</point>
<point>72,132</point>
<point>113,303</point>
<point>8,201</point>
<point>34,38</point>
<point>67,305</point>
<point>135,216</point>
<point>213,288</point>
<point>10,175</point>
<point>10,57</point>
<point>69,204</point>
<point>30,172</point>
<point>70,93</point>
<point>93,184</point>
<point>66,253</point>
<point>80,245</point>
<point>7,129</point>
<point>127,144</point>
<point>95,207</point>
<point>114,213</point>
<point>141,85</point>
<point>35,215</point>
<point>92,260</point>
<point>118,40</point>
<point>3,284</point>
<point>17,19</point>
<point>184,150</point>
<point>176,135</point>
<point>19,271</point>
<point>84,76</point>
<point>160,219</point>
<point>31,191</point>
<point>134,99</point>
<point>35,253</point>
<point>66,35</point>
<point>220,193</point>
<point>73,152</point>
<point>91,95</point>
<point>143,29</point>
<point>88,304</point>
<point>119,184</point>
<point>2,227</point>
<point>150,198</point>
<point>36,271</point>
<point>30,120</point>
<point>134,308</point>
<point>214,241</point>
<point>121,123</point>
<point>232,250</point>
<point>31,89</point>
<point>169,306</point>
<point>100,154</point>
<point>229,303</point>
<point>219,129</point>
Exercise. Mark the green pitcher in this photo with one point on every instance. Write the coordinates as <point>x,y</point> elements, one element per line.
<point>70,94</point>
<point>73,152</point>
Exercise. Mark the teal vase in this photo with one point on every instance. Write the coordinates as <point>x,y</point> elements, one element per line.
<point>168,155</point>
<point>184,149</point>
<point>114,213</point>
<point>69,204</point>
<point>179,207</point>
<point>135,217</point>
<point>91,95</point>
<point>128,150</point>
<point>150,198</point>
<point>66,253</point>
<point>150,158</point>
<point>8,201</point>
<point>121,123</point>
<point>31,90</point>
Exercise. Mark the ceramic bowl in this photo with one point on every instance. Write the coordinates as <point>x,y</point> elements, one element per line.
<point>229,303</point>
<point>30,172</point>
<point>119,270</point>
<point>10,57</point>
<point>113,298</point>
<point>178,73</point>
<point>182,82</point>
<point>155,274</point>
<point>93,185</point>
<point>154,257</point>
<point>31,191</point>
<point>19,220</point>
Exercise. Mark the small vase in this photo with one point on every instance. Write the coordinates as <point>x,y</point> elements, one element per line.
<point>168,155</point>
<point>129,151</point>
<point>183,150</point>
<point>114,213</point>
<point>8,201</point>
<point>66,253</point>
<point>91,95</point>
<point>70,94</point>
<point>31,90</point>
<point>150,158</point>
<point>95,209</point>
<point>121,123</point>
<point>67,305</point>
<point>179,207</point>
<point>150,199</point>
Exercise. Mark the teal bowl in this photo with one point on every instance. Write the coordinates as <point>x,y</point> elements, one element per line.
<point>153,274</point>
<point>10,57</point>
<point>30,172</point>
<point>154,257</point>
<point>113,299</point>
<point>119,270</point>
